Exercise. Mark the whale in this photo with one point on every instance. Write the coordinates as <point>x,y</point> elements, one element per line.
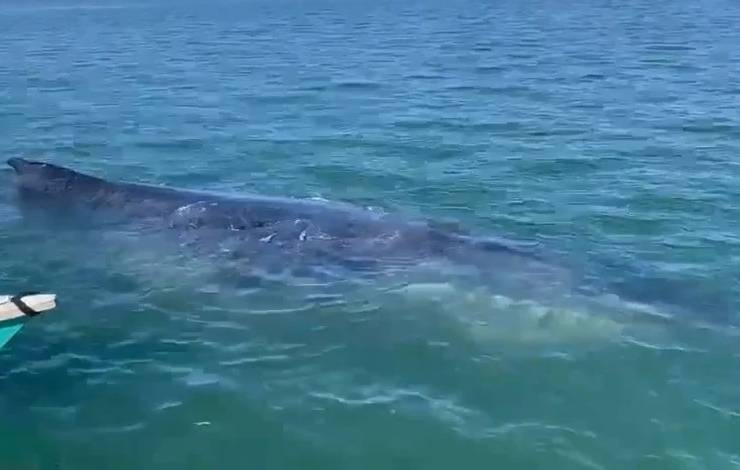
<point>245,238</point>
<point>279,230</point>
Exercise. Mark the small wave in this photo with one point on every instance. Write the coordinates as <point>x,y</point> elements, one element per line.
<point>167,405</point>
<point>661,347</point>
<point>256,360</point>
<point>356,85</point>
<point>425,76</point>
<point>445,409</point>
<point>726,412</point>
<point>80,7</point>
<point>282,98</point>
<point>176,144</point>
<point>489,69</point>
<point>122,429</point>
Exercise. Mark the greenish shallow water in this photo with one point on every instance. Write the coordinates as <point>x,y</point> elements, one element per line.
<point>606,133</point>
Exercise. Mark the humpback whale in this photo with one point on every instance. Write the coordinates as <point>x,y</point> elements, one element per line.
<point>288,229</point>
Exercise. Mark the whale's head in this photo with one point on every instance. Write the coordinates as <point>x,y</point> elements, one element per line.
<point>45,179</point>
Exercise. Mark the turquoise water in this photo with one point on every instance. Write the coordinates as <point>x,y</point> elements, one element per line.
<point>604,134</point>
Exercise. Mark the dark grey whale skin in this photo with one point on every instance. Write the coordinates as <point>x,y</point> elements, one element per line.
<point>276,233</point>
<point>260,230</point>
<point>317,231</point>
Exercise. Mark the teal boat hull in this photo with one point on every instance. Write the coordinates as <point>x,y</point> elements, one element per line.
<point>9,328</point>
<point>16,310</point>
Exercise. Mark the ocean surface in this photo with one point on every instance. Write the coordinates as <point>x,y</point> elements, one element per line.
<point>602,135</point>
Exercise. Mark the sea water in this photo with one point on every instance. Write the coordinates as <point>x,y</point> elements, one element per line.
<point>604,134</point>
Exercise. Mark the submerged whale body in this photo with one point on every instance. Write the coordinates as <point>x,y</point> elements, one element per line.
<point>315,232</point>
<point>247,239</point>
